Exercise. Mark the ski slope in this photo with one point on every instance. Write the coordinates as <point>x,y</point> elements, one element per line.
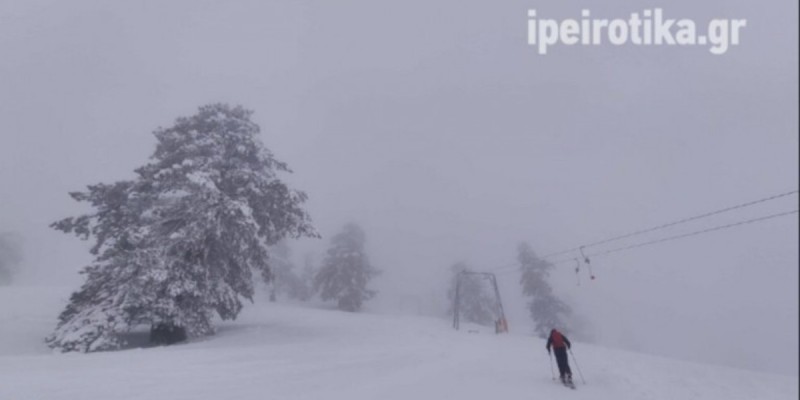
<point>280,351</point>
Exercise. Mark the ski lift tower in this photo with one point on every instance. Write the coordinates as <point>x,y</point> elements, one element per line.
<point>500,325</point>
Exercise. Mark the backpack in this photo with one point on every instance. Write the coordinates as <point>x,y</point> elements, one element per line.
<point>558,340</point>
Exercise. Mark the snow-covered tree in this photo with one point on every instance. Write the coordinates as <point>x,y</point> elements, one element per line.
<point>281,267</point>
<point>181,240</point>
<point>305,287</point>
<point>10,256</point>
<point>477,300</point>
<point>285,280</point>
<point>346,271</point>
<point>546,310</point>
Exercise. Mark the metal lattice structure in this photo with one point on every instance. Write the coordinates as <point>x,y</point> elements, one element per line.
<point>501,325</point>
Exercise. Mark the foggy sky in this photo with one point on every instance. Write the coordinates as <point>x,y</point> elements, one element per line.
<point>448,138</point>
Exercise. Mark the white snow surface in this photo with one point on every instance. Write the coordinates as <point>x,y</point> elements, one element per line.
<point>294,351</point>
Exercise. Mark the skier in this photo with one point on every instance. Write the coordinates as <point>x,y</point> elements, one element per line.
<point>560,345</point>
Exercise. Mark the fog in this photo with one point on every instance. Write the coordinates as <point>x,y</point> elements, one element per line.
<point>447,138</point>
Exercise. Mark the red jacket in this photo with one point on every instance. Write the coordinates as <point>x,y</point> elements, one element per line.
<point>557,340</point>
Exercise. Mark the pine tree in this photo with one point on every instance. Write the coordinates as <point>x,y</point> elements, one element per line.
<point>477,300</point>
<point>281,266</point>
<point>346,271</point>
<point>286,281</point>
<point>546,310</point>
<point>10,256</point>
<point>305,288</point>
<point>180,241</point>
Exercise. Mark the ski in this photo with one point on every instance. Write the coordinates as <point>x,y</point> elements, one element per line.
<point>569,384</point>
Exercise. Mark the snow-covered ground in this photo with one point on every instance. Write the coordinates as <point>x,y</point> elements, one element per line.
<point>280,351</point>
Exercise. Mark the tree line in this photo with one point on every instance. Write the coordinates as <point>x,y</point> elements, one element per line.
<point>185,239</point>
<point>205,219</point>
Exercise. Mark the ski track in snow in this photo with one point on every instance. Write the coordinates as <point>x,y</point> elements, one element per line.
<point>280,351</point>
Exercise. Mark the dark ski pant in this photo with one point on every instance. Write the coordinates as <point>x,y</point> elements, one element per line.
<point>563,364</point>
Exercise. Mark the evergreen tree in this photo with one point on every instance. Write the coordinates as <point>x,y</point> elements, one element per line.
<point>345,271</point>
<point>477,300</point>
<point>286,281</point>
<point>305,289</point>
<point>281,266</point>
<point>546,310</point>
<point>181,240</point>
<point>10,256</point>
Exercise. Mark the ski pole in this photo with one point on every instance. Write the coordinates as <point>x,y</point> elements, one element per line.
<point>576,365</point>
<point>551,366</point>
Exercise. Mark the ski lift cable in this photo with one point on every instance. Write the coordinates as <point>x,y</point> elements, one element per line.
<point>685,235</point>
<point>662,226</point>
<point>675,237</point>
<point>670,224</point>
